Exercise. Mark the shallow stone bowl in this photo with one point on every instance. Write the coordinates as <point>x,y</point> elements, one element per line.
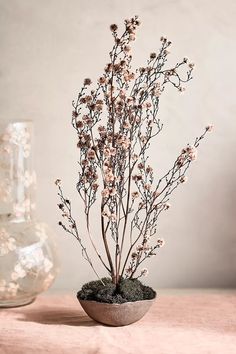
<point>116,314</point>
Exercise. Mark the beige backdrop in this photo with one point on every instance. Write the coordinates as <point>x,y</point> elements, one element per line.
<point>49,46</point>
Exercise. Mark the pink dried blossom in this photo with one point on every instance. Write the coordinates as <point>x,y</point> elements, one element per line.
<point>113,151</point>
<point>183,179</point>
<point>192,153</point>
<point>167,206</point>
<point>58,182</point>
<point>113,191</point>
<point>106,211</point>
<point>209,127</point>
<point>91,154</point>
<point>144,272</point>
<point>115,123</point>
<point>105,193</point>
<point>147,187</point>
<point>127,48</point>
<point>107,152</point>
<point>160,242</point>
<point>135,195</point>
<point>109,176</point>
<point>112,217</point>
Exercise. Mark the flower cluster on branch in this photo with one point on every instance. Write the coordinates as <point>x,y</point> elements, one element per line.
<point>115,122</point>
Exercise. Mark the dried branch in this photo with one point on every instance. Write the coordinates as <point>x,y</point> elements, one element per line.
<point>115,125</point>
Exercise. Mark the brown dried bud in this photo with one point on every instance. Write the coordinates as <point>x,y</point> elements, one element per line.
<point>102,80</point>
<point>142,70</point>
<point>127,48</point>
<point>79,124</point>
<point>91,154</point>
<point>113,27</point>
<point>87,82</point>
<point>83,100</point>
<point>141,166</point>
<point>94,186</point>
<point>74,114</point>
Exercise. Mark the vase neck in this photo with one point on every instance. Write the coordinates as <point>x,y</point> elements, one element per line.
<point>17,178</point>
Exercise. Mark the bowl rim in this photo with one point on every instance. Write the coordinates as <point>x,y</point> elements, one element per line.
<point>116,304</point>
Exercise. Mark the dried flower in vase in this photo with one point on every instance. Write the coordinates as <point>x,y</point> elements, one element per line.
<point>115,122</point>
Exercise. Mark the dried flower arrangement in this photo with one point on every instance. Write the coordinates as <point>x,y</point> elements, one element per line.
<point>115,123</point>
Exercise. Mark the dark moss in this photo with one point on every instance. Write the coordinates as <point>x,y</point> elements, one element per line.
<point>127,290</point>
<point>91,290</point>
<point>148,293</point>
<point>131,289</point>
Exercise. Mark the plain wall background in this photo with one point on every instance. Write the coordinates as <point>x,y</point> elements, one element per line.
<point>48,47</point>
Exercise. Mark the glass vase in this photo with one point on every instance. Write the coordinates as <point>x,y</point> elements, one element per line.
<point>28,254</point>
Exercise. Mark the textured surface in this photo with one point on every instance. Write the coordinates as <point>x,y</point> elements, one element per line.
<point>176,324</point>
<point>116,314</point>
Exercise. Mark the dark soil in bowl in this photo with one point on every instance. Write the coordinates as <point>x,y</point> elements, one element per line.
<point>128,290</point>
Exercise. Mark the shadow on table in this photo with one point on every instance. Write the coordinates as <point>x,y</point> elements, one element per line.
<point>57,316</point>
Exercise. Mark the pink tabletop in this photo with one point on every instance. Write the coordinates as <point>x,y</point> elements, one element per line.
<point>176,324</point>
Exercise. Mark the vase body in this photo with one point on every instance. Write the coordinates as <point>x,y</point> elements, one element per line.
<point>28,254</point>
